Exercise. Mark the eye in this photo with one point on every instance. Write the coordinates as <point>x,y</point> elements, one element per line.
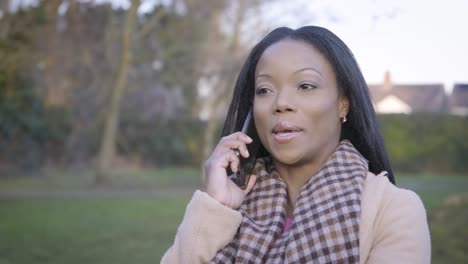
<point>262,90</point>
<point>307,86</point>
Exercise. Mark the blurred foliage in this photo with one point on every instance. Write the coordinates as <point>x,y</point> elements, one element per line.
<point>28,128</point>
<point>175,142</point>
<point>30,132</point>
<point>426,143</point>
<point>56,72</point>
<point>22,133</point>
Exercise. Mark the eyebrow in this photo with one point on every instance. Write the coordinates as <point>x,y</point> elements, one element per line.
<point>308,69</point>
<point>297,71</point>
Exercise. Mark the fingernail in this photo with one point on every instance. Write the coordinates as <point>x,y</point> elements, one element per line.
<point>236,151</point>
<point>247,153</point>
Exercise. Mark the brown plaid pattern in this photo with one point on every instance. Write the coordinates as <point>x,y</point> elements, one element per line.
<point>325,225</point>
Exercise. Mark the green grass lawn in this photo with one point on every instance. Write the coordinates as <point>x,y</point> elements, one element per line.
<point>139,229</point>
<point>102,230</point>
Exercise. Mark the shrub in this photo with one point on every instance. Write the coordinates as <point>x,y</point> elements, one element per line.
<point>426,143</point>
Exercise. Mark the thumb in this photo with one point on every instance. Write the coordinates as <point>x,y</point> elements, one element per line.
<point>251,184</point>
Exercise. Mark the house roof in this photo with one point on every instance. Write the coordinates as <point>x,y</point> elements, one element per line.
<point>459,96</point>
<point>420,97</point>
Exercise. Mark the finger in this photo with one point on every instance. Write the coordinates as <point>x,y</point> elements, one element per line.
<point>241,136</point>
<point>238,136</point>
<point>234,144</point>
<point>252,181</point>
<point>230,158</point>
<point>240,149</point>
<point>235,162</point>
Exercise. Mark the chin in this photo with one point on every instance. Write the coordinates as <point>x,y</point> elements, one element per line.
<point>288,158</point>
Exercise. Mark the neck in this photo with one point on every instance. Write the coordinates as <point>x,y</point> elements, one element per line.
<point>297,175</point>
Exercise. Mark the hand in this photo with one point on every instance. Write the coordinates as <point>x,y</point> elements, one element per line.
<point>217,183</point>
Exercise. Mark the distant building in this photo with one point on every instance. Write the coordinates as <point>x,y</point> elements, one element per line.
<point>459,99</point>
<point>392,98</point>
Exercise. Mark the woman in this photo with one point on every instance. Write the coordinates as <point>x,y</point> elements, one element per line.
<point>323,189</point>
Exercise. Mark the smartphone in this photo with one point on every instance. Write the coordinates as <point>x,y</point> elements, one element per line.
<point>246,165</point>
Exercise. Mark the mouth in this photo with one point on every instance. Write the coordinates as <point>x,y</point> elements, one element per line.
<point>285,131</point>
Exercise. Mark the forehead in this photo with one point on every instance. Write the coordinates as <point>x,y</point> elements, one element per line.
<point>290,55</point>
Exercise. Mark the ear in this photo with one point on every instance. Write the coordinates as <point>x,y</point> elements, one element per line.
<point>343,106</point>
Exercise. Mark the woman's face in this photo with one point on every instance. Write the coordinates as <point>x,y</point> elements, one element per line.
<point>297,106</point>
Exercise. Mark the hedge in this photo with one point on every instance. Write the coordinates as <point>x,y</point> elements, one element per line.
<point>426,143</point>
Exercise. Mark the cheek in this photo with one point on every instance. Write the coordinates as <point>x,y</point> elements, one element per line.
<point>261,111</point>
<point>331,119</point>
<point>324,115</point>
<point>260,115</point>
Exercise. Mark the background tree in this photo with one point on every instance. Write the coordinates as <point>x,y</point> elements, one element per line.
<point>107,148</point>
<point>23,117</point>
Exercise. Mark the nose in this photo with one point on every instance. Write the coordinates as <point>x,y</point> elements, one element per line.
<point>283,103</point>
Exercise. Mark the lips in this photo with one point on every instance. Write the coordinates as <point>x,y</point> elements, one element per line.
<point>285,131</point>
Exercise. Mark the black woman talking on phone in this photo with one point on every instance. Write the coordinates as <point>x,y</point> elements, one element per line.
<point>322,189</point>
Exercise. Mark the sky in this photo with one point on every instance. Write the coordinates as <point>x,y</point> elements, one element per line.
<point>417,41</point>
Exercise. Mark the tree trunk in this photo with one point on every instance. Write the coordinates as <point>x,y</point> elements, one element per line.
<point>228,78</point>
<point>107,149</point>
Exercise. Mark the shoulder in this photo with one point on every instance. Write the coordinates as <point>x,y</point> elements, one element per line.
<point>380,191</point>
<point>393,223</point>
<point>207,227</point>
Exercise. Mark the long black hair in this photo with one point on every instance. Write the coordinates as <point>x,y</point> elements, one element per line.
<point>362,126</point>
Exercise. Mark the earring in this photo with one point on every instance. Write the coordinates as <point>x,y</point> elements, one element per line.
<point>343,120</point>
